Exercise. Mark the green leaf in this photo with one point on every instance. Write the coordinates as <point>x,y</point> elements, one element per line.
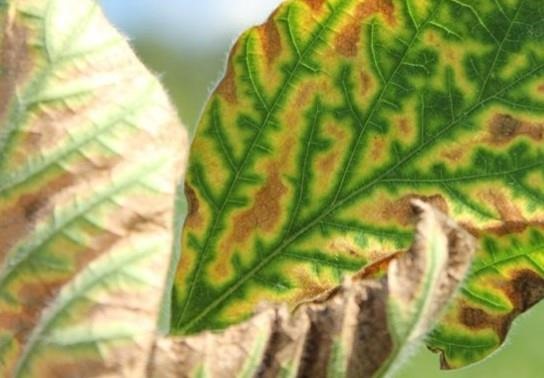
<point>90,153</point>
<point>364,328</point>
<point>331,117</point>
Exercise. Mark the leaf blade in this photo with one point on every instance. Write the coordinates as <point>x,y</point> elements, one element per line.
<point>373,76</point>
<point>90,153</point>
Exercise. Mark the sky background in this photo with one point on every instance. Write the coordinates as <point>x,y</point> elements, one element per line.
<point>186,42</point>
<point>188,24</point>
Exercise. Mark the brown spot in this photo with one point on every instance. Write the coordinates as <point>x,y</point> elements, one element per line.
<point>432,38</point>
<point>504,128</point>
<point>31,206</point>
<point>402,209</point>
<point>327,164</point>
<point>152,220</point>
<point>476,319</point>
<point>270,38</point>
<point>300,101</point>
<point>348,38</point>
<point>309,288</point>
<point>262,216</point>
<point>31,140</point>
<point>17,220</point>
<point>338,134</point>
<point>227,86</point>
<point>377,150</point>
<point>385,8</point>
<point>14,60</point>
<point>377,269</point>
<point>343,246</point>
<point>316,5</point>
<point>524,291</point>
<point>366,83</point>
<point>404,126</point>
<point>507,210</point>
<point>454,154</point>
<point>32,298</point>
<point>303,95</point>
<point>540,88</point>
<point>194,218</point>
<point>505,228</point>
<point>509,228</point>
<point>266,210</point>
<point>451,55</point>
<point>35,293</point>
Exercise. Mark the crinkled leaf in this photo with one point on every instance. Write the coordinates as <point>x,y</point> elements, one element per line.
<point>360,329</point>
<point>331,117</point>
<point>90,152</point>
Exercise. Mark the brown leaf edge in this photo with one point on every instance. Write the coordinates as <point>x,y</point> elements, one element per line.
<point>344,332</point>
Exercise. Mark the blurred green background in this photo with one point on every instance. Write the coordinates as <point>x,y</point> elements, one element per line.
<point>186,42</point>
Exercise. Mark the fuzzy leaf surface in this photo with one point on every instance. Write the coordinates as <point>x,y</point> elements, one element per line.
<point>90,153</point>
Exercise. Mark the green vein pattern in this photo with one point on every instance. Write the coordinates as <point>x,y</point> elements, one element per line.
<point>333,115</point>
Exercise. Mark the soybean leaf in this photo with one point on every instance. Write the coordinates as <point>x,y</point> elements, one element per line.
<point>506,280</point>
<point>90,152</point>
<point>331,117</point>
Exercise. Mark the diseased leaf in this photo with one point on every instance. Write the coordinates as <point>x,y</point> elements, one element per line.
<point>480,316</point>
<point>332,116</point>
<point>506,279</point>
<point>360,329</point>
<point>90,153</point>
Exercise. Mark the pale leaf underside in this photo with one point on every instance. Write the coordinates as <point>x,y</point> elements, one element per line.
<point>90,155</point>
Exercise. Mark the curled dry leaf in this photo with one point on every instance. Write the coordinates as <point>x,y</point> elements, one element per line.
<point>90,154</point>
<point>360,329</point>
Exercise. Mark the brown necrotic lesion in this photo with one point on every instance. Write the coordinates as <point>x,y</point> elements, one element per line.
<point>504,128</point>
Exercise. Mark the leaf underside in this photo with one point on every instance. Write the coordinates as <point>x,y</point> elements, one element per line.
<point>331,118</point>
<point>90,154</point>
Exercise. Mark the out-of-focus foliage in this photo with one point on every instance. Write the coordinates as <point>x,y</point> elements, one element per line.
<point>90,154</point>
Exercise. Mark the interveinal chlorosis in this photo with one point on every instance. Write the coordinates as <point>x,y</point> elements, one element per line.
<point>335,114</point>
